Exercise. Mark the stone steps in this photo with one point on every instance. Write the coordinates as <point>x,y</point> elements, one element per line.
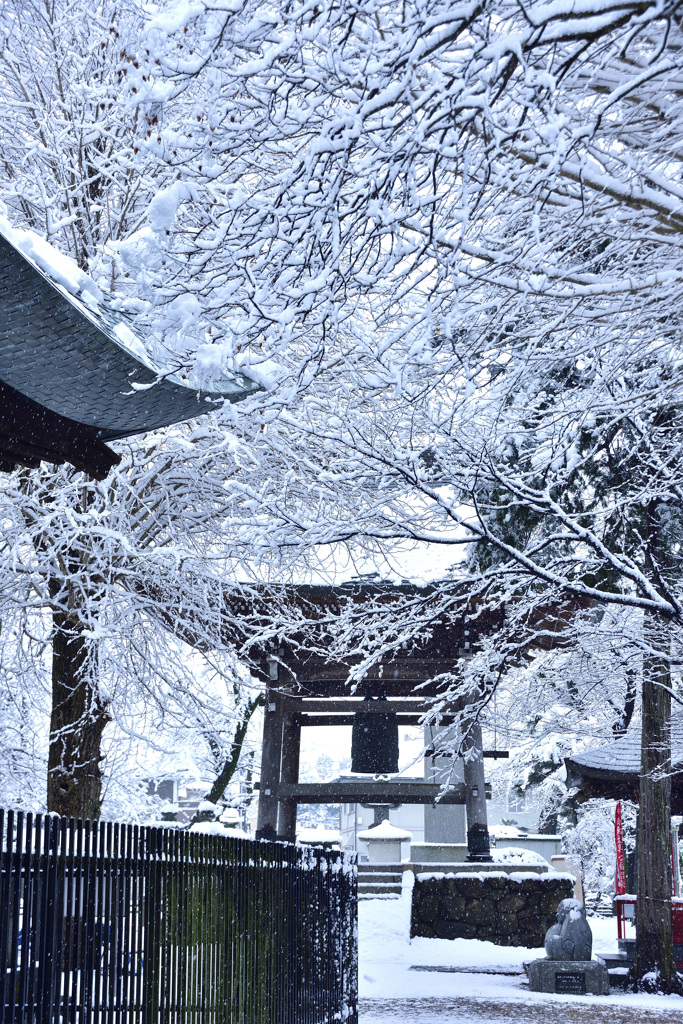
<point>383,880</point>
<point>374,892</point>
<point>383,885</point>
<point>395,869</point>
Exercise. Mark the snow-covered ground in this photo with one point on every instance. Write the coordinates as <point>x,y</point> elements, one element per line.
<point>440,980</point>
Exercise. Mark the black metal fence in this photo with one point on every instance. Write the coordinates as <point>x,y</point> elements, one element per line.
<point>102,923</point>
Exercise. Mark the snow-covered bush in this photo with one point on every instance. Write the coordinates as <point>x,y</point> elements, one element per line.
<point>592,841</point>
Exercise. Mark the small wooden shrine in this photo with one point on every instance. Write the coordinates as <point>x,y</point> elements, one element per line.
<point>612,771</point>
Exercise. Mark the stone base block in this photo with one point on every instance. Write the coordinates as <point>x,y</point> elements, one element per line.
<point>576,977</point>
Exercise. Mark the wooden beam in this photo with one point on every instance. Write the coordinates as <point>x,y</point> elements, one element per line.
<point>289,773</point>
<point>402,674</point>
<point>339,686</point>
<point>322,720</point>
<point>271,754</point>
<point>403,719</point>
<point>345,707</point>
<point>368,791</point>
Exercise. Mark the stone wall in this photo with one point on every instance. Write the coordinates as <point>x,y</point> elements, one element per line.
<point>509,909</point>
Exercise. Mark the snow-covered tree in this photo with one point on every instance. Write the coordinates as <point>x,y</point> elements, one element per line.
<point>105,576</point>
<point>67,145</point>
<point>95,576</point>
<point>455,231</point>
<point>466,220</point>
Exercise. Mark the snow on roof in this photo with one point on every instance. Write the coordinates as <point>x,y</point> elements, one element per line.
<point>385,832</point>
<point>318,835</point>
<point>62,270</point>
<point>67,347</point>
<point>622,758</point>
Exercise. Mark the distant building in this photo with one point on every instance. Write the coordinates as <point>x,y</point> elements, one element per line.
<point>508,806</point>
<point>181,801</point>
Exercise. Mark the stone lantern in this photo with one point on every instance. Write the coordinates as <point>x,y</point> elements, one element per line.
<point>384,842</point>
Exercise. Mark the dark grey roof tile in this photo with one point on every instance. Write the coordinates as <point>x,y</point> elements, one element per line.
<point>57,356</point>
<point>623,756</point>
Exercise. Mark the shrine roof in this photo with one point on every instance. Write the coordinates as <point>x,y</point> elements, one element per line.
<point>621,759</point>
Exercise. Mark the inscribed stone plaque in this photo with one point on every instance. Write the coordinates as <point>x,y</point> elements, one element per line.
<point>570,981</point>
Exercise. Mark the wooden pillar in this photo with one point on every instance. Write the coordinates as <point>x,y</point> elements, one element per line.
<point>271,753</point>
<point>478,846</point>
<point>289,772</point>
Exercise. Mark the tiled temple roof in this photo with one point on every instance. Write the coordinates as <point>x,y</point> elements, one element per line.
<point>613,770</point>
<point>64,371</point>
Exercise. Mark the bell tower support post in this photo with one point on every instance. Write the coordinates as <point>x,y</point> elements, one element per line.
<point>478,844</point>
<point>289,772</point>
<point>271,755</point>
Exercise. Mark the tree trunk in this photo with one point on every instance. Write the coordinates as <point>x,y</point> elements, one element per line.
<point>655,967</point>
<point>232,760</point>
<point>79,716</point>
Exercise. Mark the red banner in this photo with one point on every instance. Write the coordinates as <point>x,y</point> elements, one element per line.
<point>620,875</point>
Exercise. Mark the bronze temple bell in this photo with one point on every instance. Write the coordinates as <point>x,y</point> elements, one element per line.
<point>374,742</point>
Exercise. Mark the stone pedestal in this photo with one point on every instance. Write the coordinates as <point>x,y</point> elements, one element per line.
<point>577,977</point>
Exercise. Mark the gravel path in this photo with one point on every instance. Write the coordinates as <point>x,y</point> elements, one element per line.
<point>481,1011</point>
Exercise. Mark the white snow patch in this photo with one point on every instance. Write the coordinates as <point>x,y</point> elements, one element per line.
<point>425,876</point>
<point>385,830</point>
<point>387,954</point>
<point>61,269</point>
<point>505,831</point>
<point>318,834</point>
<point>219,828</point>
<point>206,806</point>
<point>266,372</point>
<point>175,17</point>
<point>236,833</point>
<point>516,855</point>
<point>230,816</point>
<point>162,210</point>
<point>132,344</point>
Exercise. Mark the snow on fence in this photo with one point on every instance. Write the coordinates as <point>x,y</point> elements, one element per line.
<point>103,922</point>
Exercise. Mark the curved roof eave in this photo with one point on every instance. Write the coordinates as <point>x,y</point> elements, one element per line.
<point>621,759</point>
<point>66,358</point>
